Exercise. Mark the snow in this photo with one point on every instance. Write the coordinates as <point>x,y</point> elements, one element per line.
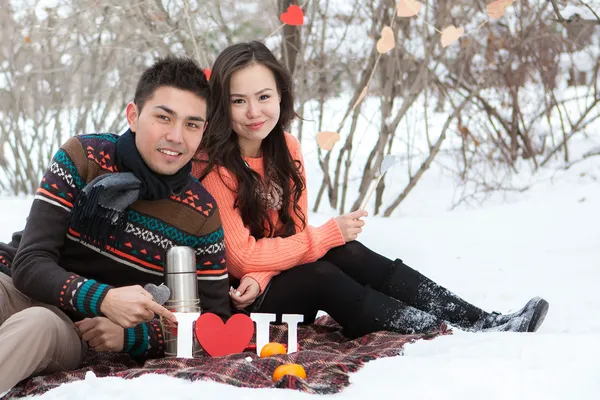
<point>545,241</point>
<point>542,242</point>
<point>584,12</point>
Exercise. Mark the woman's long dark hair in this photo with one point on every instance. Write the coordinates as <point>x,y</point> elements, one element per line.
<point>220,143</point>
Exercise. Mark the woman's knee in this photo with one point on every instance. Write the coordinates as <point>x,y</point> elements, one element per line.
<point>355,247</point>
<point>323,271</point>
<point>350,251</point>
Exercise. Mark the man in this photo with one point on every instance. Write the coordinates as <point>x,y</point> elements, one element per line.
<point>106,212</point>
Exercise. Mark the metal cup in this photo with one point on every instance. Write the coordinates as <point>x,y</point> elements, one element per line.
<point>181,279</point>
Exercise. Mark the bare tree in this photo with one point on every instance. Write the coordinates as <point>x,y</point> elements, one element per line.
<point>71,68</point>
<point>61,75</point>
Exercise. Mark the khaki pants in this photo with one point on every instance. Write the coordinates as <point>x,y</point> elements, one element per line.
<point>35,338</point>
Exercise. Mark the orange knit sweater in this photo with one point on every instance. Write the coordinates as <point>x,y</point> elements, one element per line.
<point>264,258</point>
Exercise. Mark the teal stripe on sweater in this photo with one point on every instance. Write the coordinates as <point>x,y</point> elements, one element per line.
<point>96,297</point>
<point>129,339</point>
<point>81,294</point>
<point>63,158</point>
<point>171,232</point>
<point>143,347</point>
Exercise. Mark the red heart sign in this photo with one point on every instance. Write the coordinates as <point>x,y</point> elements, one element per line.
<point>207,73</point>
<point>293,16</point>
<point>220,339</point>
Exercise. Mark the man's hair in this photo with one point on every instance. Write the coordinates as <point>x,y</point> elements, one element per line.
<point>178,72</point>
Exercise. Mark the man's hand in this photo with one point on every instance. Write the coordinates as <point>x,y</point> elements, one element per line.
<point>129,306</point>
<point>101,334</point>
<point>245,294</point>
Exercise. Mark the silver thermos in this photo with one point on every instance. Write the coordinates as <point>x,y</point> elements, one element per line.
<point>181,279</point>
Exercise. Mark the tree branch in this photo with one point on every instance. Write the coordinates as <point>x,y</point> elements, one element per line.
<point>574,19</point>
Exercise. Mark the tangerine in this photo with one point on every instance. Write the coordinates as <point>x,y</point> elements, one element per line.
<point>289,369</point>
<point>272,348</point>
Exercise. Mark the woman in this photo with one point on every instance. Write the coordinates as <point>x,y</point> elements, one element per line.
<point>255,172</point>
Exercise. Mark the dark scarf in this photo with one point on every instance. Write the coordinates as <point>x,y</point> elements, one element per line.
<point>99,209</point>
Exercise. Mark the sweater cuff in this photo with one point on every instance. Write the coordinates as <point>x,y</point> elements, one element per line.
<point>144,340</point>
<point>330,235</point>
<point>83,295</point>
<point>263,278</point>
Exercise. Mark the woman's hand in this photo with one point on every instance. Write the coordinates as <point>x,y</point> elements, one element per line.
<point>245,294</point>
<point>351,224</point>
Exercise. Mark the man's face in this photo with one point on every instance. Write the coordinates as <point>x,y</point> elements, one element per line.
<point>168,129</point>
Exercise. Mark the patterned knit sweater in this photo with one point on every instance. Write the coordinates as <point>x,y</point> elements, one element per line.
<point>54,264</point>
<point>265,258</point>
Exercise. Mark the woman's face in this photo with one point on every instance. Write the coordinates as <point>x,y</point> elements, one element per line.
<point>255,105</point>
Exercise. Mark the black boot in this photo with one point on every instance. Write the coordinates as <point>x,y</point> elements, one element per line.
<point>379,312</point>
<point>533,314</point>
<point>415,289</point>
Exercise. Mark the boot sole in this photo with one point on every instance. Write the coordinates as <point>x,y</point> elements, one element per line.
<point>541,309</point>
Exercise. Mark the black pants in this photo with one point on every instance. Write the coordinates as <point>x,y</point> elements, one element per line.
<point>364,291</point>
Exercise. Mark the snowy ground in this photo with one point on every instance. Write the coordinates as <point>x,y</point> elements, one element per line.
<point>543,242</point>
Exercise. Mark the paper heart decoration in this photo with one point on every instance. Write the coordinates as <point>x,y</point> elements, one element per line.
<point>496,9</point>
<point>388,162</point>
<point>207,73</point>
<point>387,41</point>
<point>293,16</point>
<point>160,294</point>
<point>326,140</point>
<point>451,34</point>
<point>158,17</point>
<point>219,339</point>
<point>408,8</point>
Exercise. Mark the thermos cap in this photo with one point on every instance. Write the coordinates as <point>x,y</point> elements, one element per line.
<point>180,259</point>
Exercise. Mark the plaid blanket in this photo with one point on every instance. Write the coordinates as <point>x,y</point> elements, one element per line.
<point>327,356</point>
